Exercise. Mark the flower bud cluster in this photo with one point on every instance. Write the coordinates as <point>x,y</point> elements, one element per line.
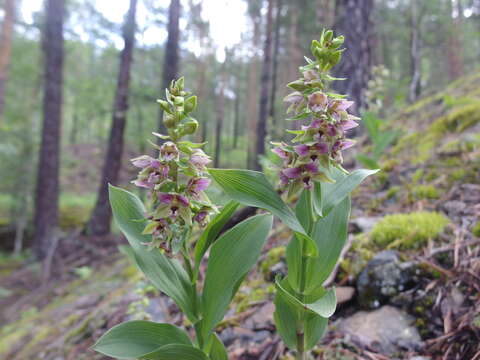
<point>318,144</point>
<point>177,178</point>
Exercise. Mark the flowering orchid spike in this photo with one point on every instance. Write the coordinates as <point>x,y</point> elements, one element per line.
<point>320,142</point>
<point>177,179</point>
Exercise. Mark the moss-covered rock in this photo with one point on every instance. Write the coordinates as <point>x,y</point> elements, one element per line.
<point>408,231</point>
<point>425,192</point>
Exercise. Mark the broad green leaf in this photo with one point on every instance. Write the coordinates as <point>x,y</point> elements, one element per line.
<point>135,339</point>
<point>252,188</point>
<point>211,232</point>
<point>384,141</point>
<point>290,315</point>
<point>317,198</point>
<point>166,274</point>
<point>176,352</point>
<point>330,233</point>
<point>367,161</point>
<point>218,351</point>
<point>333,194</point>
<point>231,257</point>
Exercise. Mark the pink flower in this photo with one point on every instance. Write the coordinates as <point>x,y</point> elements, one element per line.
<point>182,200</point>
<point>345,144</point>
<point>294,98</point>
<point>144,161</point>
<point>331,130</point>
<point>283,179</point>
<point>199,159</point>
<point>321,147</point>
<point>348,124</point>
<point>143,184</point>
<point>166,198</point>
<point>302,150</point>
<point>311,168</point>
<point>200,217</point>
<point>317,101</point>
<point>292,173</point>
<point>196,185</point>
<point>281,152</point>
<point>307,182</point>
<point>339,105</point>
<point>169,151</point>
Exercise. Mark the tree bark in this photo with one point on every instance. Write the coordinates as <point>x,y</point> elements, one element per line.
<point>276,48</point>
<point>100,220</point>
<point>415,59</point>
<point>265,83</point>
<point>353,20</point>
<point>47,188</point>
<point>6,49</point>
<point>220,105</point>
<point>454,43</point>
<point>171,61</point>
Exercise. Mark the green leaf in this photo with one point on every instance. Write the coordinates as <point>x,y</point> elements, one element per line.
<point>252,188</point>
<point>211,232</point>
<point>333,194</point>
<point>166,274</point>
<point>330,234</point>
<point>317,198</point>
<point>218,351</point>
<point>367,161</point>
<point>176,352</point>
<point>135,339</point>
<point>231,257</point>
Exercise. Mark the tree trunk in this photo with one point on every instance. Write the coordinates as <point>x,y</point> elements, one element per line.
<point>265,83</point>
<point>276,48</point>
<point>353,20</point>
<point>454,43</point>
<point>171,61</point>
<point>46,195</point>
<point>415,58</point>
<point>236,119</point>
<point>6,49</point>
<point>99,223</point>
<point>220,105</point>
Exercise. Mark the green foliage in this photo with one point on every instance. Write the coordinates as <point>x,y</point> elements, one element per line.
<point>476,229</point>
<point>408,231</point>
<point>425,192</point>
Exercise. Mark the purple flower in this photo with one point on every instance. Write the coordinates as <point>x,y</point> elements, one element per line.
<point>144,161</point>
<point>169,151</point>
<point>196,185</point>
<point>302,150</point>
<point>199,159</point>
<point>310,75</point>
<point>200,217</point>
<point>331,130</point>
<point>182,200</point>
<point>281,152</point>
<point>143,184</point>
<point>321,147</point>
<point>294,98</point>
<point>317,101</point>
<point>166,198</point>
<point>311,168</point>
<point>348,124</point>
<point>347,143</point>
<point>307,182</point>
<point>339,105</point>
<point>292,173</point>
<point>283,179</point>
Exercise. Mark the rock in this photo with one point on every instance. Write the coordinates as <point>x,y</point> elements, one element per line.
<point>420,358</point>
<point>383,278</point>
<point>454,207</point>
<point>364,223</point>
<point>344,293</point>
<point>386,330</point>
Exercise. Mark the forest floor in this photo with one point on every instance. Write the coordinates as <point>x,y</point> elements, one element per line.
<point>408,284</point>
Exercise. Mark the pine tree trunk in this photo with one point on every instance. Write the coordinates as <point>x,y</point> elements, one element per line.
<point>276,48</point>
<point>171,61</point>
<point>454,43</point>
<point>353,20</point>
<point>265,83</point>
<point>236,119</point>
<point>47,189</point>
<point>99,223</point>
<point>220,105</point>
<point>415,59</point>
<point>6,49</point>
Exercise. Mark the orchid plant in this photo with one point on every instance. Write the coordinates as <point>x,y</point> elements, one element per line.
<point>164,248</point>
<point>162,238</point>
<point>310,174</point>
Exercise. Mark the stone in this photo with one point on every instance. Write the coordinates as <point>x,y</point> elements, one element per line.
<point>386,330</point>
<point>364,223</point>
<point>454,207</point>
<point>383,278</point>
<point>344,293</point>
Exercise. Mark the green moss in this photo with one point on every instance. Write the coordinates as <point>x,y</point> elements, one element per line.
<point>458,174</point>
<point>417,175</point>
<point>408,230</point>
<point>393,191</point>
<point>476,229</point>
<point>273,257</point>
<point>425,192</point>
<point>389,165</point>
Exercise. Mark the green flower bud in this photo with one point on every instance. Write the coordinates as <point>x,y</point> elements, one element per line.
<point>298,85</point>
<point>328,36</point>
<point>164,105</point>
<point>338,41</point>
<point>178,100</point>
<point>190,104</point>
<point>190,127</point>
<point>169,120</point>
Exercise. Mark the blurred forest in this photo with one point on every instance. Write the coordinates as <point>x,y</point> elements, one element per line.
<point>78,94</point>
